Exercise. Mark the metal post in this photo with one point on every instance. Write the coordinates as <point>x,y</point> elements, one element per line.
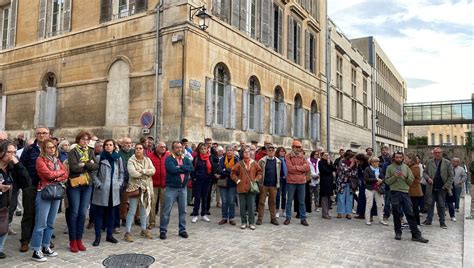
<point>158,93</point>
<point>328,82</point>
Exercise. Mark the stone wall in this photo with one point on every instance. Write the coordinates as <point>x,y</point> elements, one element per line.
<point>449,151</point>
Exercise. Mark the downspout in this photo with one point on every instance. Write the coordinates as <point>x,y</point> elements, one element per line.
<point>328,83</point>
<point>158,92</point>
<point>373,92</point>
<point>183,87</point>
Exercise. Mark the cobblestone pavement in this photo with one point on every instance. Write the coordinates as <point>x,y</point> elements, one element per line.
<point>335,243</point>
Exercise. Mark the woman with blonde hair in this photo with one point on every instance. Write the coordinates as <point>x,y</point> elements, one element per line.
<point>374,187</point>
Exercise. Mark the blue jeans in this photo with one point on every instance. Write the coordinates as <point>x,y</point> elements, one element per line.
<point>300,189</point>
<point>344,200</point>
<point>282,191</point>
<point>228,202</point>
<point>132,208</point>
<point>79,199</point>
<point>3,238</point>
<point>171,196</point>
<point>247,208</point>
<point>46,211</point>
<point>457,194</point>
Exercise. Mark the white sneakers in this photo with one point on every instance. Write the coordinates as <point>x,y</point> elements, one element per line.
<point>194,219</point>
<point>368,223</point>
<point>205,218</point>
<point>453,219</point>
<point>243,226</point>
<point>384,223</point>
<point>277,215</point>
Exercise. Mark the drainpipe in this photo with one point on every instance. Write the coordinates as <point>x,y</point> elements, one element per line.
<point>373,92</point>
<point>158,92</point>
<point>183,87</point>
<point>328,83</point>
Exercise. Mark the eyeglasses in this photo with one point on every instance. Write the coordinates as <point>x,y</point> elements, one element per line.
<point>297,147</point>
<point>270,149</point>
<point>50,147</point>
<point>42,133</point>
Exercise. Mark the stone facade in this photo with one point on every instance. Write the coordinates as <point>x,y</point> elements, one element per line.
<point>351,91</point>
<point>76,69</point>
<point>440,134</point>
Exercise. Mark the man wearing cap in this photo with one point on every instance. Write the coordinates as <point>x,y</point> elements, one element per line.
<point>271,167</point>
<point>297,168</point>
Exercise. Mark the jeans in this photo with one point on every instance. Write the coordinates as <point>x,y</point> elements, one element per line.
<point>438,196</point>
<point>228,202</point>
<point>372,195</point>
<point>387,202</point>
<point>158,199</point>
<point>3,238</point>
<point>300,189</point>
<point>28,219</point>
<point>416,200</point>
<point>344,200</point>
<point>271,191</point>
<point>457,194</point>
<point>200,190</point>
<point>171,196</point>
<point>132,208</point>
<point>281,195</point>
<point>314,192</point>
<point>79,199</point>
<point>101,213</point>
<point>400,199</point>
<point>247,208</point>
<point>46,211</point>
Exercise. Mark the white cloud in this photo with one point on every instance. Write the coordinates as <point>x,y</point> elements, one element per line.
<point>424,40</point>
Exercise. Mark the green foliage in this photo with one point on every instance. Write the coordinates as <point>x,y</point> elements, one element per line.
<point>418,141</point>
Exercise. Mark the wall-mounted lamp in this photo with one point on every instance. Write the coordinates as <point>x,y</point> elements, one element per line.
<point>202,15</point>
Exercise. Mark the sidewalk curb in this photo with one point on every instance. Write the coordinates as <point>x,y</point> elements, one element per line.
<point>468,241</point>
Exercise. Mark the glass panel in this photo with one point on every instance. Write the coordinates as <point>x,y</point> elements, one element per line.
<point>416,113</point>
<point>456,111</point>
<point>426,112</point>
<point>467,111</point>
<point>446,112</point>
<point>436,112</point>
<point>408,113</point>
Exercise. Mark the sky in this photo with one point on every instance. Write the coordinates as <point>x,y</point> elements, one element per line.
<point>430,42</point>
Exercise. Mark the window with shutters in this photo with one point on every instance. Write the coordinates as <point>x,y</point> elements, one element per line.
<point>221,9</point>
<point>47,101</point>
<point>339,104</point>
<point>54,17</point>
<point>277,28</point>
<point>279,112</point>
<point>339,77</point>
<point>294,40</point>
<point>254,103</point>
<point>354,83</point>
<point>298,113</point>
<point>314,122</point>
<point>221,76</point>
<point>364,91</point>
<point>8,15</point>
<point>253,20</point>
<point>354,111</point>
<point>117,9</point>
<point>310,51</point>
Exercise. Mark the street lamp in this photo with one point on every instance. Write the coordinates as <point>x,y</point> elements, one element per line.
<point>202,15</point>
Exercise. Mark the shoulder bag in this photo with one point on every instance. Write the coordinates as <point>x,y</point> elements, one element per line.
<point>53,191</point>
<point>4,213</point>
<point>254,188</point>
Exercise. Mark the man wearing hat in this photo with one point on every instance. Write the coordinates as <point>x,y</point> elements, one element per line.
<point>297,167</point>
<point>271,167</point>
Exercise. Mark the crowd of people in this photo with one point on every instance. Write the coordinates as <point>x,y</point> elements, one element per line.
<point>118,184</point>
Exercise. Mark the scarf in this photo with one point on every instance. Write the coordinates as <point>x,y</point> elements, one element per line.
<point>205,158</point>
<point>55,161</point>
<point>84,153</point>
<point>247,163</point>
<point>111,158</point>
<point>229,163</point>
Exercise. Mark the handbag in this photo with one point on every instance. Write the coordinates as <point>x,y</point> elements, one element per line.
<point>222,183</point>
<point>78,181</point>
<point>381,188</point>
<point>254,189</point>
<point>53,191</point>
<point>132,191</point>
<point>4,214</point>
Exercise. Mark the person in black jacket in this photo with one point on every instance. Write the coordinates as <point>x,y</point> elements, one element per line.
<point>202,178</point>
<point>11,171</point>
<point>374,189</point>
<point>326,177</point>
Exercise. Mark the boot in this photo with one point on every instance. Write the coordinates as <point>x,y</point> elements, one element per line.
<point>73,246</point>
<point>80,245</point>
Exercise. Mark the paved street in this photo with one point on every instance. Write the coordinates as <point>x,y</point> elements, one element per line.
<point>336,243</point>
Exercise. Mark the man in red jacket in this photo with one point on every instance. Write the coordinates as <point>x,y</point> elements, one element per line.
<point>158,157</point>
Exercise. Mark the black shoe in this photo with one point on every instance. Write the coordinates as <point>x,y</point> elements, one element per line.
<point>137,222</point>
<point>111,239</point>
<point>304,222</point>
<point>182,234</point>
<point>53,236</point>
<point>259,222</point>
<point>297,215</point>
<point>426,223</point>
<point>420,239</point>
<point>2,255</point>
<point>48,252</point>
<point>18,213</point>
<point>398,236</point>
<point>38,256</point>
<point>162,236</point>
<point>124,223</point>
<point>96,242</point>
<point>443,225</point>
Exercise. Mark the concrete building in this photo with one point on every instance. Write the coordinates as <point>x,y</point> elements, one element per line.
<point>257,72</point>
<point>351,91</point>
<point>390,94</point>
<point>440,134</point>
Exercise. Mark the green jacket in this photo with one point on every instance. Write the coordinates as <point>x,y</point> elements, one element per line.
<point>447,175</point>
<point>399,183</point>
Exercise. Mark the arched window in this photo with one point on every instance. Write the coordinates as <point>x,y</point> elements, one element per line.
<point>298,114</point>
<point>253,105</point>
<point>278,112</point>
<point>220,98</point>
<point>118,85</point>
<point>47,101</point>
<point>314,122</point>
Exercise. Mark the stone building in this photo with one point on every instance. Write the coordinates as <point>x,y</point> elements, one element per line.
<point>257,71</point>
<point>440,134</point>
<point>390,95</point>
<point>351,95</point>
